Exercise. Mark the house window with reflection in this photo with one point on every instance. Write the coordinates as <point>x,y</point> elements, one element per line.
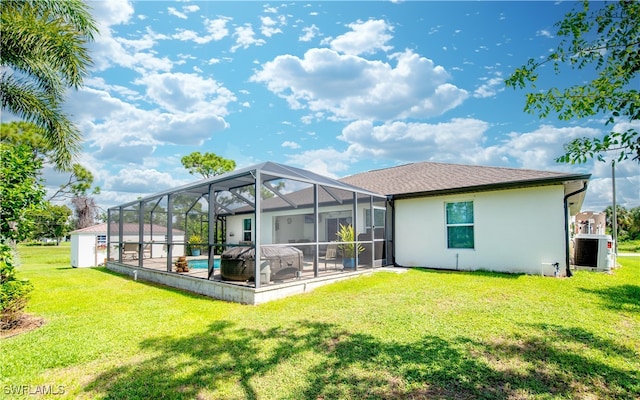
<point>459,218</point>
<point>246,230</point>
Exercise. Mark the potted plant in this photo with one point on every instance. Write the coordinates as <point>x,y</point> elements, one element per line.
<point>194,244</point>
<point>346,234</point>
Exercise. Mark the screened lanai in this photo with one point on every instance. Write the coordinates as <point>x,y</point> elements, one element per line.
<point>213,229</point>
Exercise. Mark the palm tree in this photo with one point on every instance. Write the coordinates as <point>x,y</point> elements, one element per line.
<point>44,52</point>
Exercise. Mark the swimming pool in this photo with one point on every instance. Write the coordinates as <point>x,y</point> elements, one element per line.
<point>203,264</point>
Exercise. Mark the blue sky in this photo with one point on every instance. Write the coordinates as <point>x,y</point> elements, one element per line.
<point>334,87</point>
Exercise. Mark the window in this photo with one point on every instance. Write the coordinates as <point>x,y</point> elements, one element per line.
<point>101,242</point>
<point>378,217</point>
<point>460,225</point>
<point>246,230</point>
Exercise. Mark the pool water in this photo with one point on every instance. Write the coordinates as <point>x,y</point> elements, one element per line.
<point>203,264</point>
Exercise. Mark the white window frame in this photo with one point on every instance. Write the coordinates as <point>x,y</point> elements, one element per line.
<point>463,224</point>
<point>247,231</point>
<point>367,219</point>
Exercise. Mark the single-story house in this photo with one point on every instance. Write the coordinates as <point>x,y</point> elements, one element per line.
<point>466,217</point>
<point>89,245</point>
<point>271,227</point>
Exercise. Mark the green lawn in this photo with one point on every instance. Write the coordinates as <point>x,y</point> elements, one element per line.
<point>422,334</point>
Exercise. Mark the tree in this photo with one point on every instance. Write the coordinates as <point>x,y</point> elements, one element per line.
<point>207,164</point>
<point>44,52</point>
<point>79,183</point>
<point>628,222</point>
<point>634,228</point>
<point>80,179</point>
<point>21,190</point>
<point>607,40</point>
<point>85,210</point>
<point>52,221</point>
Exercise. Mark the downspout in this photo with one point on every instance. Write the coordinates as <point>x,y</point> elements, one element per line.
<point>391,247</point>
<point>566,226</point>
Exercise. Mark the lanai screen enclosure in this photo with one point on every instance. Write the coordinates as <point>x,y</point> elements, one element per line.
<point>289,216</point>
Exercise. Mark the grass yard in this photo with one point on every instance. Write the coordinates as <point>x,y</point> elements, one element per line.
<point>422,334</point>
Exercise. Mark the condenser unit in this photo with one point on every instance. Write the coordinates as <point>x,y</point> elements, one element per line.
<point>593,251</point>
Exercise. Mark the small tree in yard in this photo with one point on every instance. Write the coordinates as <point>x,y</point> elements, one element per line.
<point>13,291</point>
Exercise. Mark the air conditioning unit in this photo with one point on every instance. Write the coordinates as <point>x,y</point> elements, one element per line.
<point>593,251</point>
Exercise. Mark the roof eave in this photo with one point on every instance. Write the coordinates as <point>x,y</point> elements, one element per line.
<point>495,186</point>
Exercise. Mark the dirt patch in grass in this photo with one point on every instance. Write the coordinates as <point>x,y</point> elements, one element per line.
<point>26,323</point>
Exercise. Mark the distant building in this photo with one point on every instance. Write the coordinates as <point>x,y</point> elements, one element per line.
<point>591,223</point>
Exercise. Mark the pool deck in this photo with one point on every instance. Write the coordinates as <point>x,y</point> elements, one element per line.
<point>195,280</point>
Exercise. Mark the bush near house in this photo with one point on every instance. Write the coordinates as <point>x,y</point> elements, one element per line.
<point>629,246</point>
<point>422,334</point>
<point>13,291</point>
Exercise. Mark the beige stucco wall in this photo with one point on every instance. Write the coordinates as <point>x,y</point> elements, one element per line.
<point>518,230</point>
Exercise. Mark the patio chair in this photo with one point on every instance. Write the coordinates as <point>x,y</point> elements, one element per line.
<point>331,255</point>
<point>146,251</point>
<point>130,251</point>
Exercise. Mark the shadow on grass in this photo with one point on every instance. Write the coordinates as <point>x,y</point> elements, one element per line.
<point>485,273</point>
<point>319,360</point>
<point>619,298</point>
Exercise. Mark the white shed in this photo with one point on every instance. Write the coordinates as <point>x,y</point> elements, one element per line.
<point>89,246</point>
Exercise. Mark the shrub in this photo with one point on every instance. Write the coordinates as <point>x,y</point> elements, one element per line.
<point>13,291</point>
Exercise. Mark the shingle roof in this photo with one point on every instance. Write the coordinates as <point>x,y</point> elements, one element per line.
<point>437,178</point>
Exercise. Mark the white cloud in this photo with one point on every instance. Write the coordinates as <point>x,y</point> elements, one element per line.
<point>327,162</point>
<point>180,92</point>
<point>365,38</point>
<point>113,12</point>
<point>309,33</point>
<point>351,87</point>
<point>185,10</point>
<point>122,132</point>
<point>290,144</point>
<point>600,191</point>
<point>490,87</point>
<point>186,35</point>
<point>455,140</point>
<point>545,33</point>
<point>126,92</point>
<point>139,181</point>
<point>217,28</point>
<point>107,50</point>
<point>145,42</point>
<point>269,27</point>
<point>245,37</point>
<point>176,13</point>
<point>539,148</point>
